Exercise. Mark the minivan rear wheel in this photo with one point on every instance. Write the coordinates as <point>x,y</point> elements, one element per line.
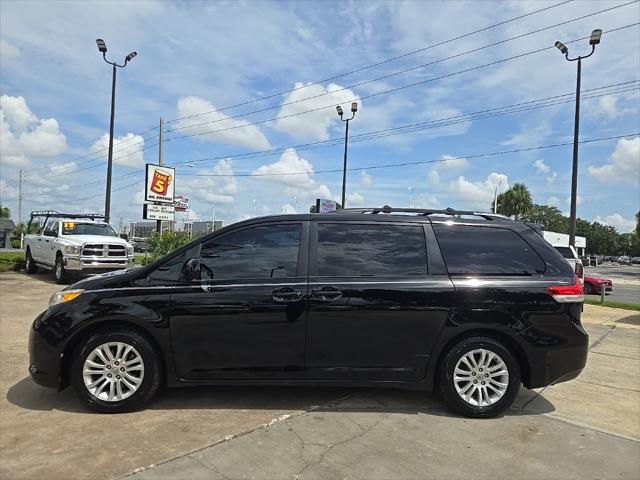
<point>480,377</point>
<point>116,370</point>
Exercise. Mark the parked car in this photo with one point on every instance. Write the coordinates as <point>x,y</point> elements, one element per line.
<point>570,255</point>
<point>635,260</point>
<point>624,260</point>
<point>593,284</point>
<point>471,304</point>
<point>74,244</point>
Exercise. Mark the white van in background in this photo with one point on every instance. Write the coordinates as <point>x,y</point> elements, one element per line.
<point>569,253</point>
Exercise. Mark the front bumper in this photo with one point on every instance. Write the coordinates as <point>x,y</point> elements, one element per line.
<point>45,360</point>
<point>98,263</point>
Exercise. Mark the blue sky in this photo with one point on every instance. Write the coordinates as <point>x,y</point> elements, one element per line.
<point>196,57</point>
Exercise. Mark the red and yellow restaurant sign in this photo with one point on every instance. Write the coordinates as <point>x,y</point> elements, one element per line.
<point>159,184</point>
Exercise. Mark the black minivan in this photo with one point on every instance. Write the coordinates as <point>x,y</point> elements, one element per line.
<point>472,304</point>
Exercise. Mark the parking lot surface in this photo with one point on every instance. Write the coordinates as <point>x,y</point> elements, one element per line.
<point>626,281</point>
<point>587,428</point>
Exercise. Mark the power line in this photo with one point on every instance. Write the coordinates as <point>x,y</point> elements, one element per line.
<point>400,72</point>
<point>367,67</point>
<point>396,89</point>
<point>421,162</point>
<point>595,92</point>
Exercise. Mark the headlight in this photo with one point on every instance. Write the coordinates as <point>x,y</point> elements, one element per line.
<point>64,296</point>
<point>129,250</point>
<point>72,249</point>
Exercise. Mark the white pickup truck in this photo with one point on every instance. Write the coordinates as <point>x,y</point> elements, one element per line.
<point>75,244</point>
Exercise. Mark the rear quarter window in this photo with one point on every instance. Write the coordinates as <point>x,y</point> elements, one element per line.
<point>477,250</point>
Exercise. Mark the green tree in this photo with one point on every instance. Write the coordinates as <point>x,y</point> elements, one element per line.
<point>5,212</point>
<point>551,218</point>
<point>516,201</point>
<point>638,224</point>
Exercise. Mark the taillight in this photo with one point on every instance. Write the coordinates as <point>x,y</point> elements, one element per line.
<point>579,269</point>
<point>567,293</point>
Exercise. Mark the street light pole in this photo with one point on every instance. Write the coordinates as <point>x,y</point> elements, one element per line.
<point>594,40</point>
<point>102,48</point>
<point>354,109</point>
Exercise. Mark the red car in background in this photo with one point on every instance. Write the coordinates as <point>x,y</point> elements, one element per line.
<point>593,284</point>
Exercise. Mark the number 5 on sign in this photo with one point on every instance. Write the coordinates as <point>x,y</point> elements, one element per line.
<point>160,184</point>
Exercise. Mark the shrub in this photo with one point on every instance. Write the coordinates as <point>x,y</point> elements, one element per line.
<point>161,244</point>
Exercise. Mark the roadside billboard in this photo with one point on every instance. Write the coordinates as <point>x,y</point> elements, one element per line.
<point>158,212</point>
<point>159,184</point>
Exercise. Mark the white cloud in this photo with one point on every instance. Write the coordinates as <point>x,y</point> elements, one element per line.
<point>7,191</point>
<point>541,166</point>
<point>355,199</point>
<point>9,51</point>
<point>127,151</point>
<point>553,201</point>
<point>624,163</point>
<point>366,180</point>
<point>219,188</point>
<point>552,178</point>
<point>478,195</point>
<point>288,208</point>
<point>24,136</point>
<point>425,201</point>
<point>281,170</point>
<point>607,105</point>
<point>451,163</point>
<point>529,137</point>
<point>433,177</point>
<point>617,221</point>
<point>314,125</point>
<point>579,200</point>
<point>216,126</point>
<point>68,167</point>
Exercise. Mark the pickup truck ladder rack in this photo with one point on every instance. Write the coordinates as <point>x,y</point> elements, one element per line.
<point>55,214</point>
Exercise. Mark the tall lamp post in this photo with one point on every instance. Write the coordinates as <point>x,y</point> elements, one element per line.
<point>102,48</point>
<point>596,35</point>
<point>354,109</point>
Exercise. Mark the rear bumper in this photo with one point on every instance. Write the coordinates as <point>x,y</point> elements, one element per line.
<point>560,364</point>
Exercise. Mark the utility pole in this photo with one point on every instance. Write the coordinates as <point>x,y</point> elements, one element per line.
<point>160,162</point>
<point>354,109</point>
<point>213,219</point>
<point>21,179</point>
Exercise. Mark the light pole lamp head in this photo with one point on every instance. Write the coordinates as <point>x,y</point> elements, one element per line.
<point>130,57</point>
<point>354,107</point>
<point>339,110</point>
<point>562,47</point>
<point>596,35</point>
<point>102,47</point>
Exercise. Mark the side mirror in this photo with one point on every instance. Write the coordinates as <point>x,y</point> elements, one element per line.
<point>124,236</point>
<point>192,269</point>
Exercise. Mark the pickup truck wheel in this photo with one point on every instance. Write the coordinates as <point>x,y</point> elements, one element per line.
<point>59,271</point>
<point>479,377</point>
<point>116,370</point>
<point>29,265</point>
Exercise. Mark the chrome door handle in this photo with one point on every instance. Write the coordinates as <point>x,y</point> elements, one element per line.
<point>326,293</point>
<point>285,295</point>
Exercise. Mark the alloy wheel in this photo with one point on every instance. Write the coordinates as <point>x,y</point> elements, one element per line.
<point>113,371</point>
<point>481,377</point>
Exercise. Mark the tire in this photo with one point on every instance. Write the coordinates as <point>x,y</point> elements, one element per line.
<point>588,289</point>
<point>146,381</point>
<point>61,274</point>
<point>485,401</point>
<point>29,265</point>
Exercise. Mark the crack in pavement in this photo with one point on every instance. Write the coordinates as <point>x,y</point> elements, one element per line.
<point>330,447</point>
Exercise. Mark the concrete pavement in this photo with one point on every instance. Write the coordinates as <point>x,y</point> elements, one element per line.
<point>589,427</point>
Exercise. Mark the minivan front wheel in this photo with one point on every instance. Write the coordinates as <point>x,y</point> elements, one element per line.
<point>480,377</point>
<point>116,371</point>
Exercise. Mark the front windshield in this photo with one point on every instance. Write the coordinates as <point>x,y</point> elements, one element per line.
<point>75,228</point>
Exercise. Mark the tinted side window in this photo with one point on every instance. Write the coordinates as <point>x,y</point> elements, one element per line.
<point>470,250</point>
<point>348,250</point>
<point>268,251</point>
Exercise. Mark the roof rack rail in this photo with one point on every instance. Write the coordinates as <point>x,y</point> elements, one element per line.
<point>424,211</point>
